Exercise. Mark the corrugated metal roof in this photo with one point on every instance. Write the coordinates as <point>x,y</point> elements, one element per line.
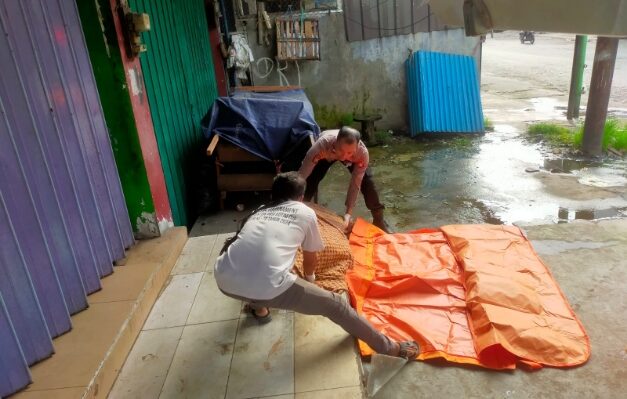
<point>443,93</point>
<point>63,220</point>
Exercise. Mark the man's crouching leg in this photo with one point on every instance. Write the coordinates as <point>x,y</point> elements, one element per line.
<point>304,297</point>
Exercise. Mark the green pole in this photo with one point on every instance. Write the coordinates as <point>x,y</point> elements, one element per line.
<point>576,79</point>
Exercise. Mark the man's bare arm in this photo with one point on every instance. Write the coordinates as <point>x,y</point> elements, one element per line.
<point>310,261</point>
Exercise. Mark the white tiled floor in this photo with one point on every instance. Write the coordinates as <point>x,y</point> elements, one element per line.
<point>197,343</point>
<point>173,306</point>
<point>195,255</point>
<point>263,358</point>
<point>322,349</point>
<point>211,305</point>
<point>147,365</point>
<point>200,367</point>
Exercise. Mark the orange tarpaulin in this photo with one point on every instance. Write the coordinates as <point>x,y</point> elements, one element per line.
<point>475,294</point>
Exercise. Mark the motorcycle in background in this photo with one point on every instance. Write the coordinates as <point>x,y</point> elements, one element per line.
<point>527,36</point>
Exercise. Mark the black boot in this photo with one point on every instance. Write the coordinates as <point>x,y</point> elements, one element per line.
<point>379,221</point>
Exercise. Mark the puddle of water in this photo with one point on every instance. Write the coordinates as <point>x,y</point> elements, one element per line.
<point>568,215</point>
<point>517,212</point>
<point>498,160</point>
<point>544,105</point>
<point>523,214</point>
<point>480,179</point>
<point>506,129</point>
<point>564,165</point>
<point>591,173</point>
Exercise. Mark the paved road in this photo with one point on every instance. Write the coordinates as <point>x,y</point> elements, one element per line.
<point>511,70</point>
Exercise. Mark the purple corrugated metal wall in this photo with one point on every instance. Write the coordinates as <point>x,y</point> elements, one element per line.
<point>14,371</point>
<point>63,220</point>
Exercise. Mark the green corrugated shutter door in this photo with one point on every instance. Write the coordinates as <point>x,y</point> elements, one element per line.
<point>181,86</point>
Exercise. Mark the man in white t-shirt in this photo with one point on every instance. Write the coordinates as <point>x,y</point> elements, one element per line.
<point>255,266</point>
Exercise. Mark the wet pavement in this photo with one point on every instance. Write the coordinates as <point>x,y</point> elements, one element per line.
<point>511,71</point>
<point>429,182</point>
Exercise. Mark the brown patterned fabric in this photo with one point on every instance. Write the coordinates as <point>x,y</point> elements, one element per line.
<point>335,258</point>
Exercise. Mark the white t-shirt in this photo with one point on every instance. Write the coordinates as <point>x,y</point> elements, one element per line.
<point>257,265</point>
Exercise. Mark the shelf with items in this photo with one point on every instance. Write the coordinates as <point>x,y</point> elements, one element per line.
<point>297,39</point>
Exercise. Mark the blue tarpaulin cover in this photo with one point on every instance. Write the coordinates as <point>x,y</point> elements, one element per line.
<point>269,125</point>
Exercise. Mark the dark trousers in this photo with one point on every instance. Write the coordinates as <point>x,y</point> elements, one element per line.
<point>368,189</point>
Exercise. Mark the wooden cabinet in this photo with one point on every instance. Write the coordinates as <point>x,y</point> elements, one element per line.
<point>227,154</point>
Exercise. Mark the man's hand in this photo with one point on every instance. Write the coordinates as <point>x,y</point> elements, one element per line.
<point>310,261</point>
<point>347,223</point>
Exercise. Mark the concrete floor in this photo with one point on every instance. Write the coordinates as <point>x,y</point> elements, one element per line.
<point>197,343</point>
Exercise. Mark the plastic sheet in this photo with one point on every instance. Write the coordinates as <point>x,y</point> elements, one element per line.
<point>475,294</point>
<point>269,125</point>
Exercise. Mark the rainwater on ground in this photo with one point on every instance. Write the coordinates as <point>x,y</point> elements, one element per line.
<point>497,178</point>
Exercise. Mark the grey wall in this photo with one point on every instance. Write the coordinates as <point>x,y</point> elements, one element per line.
<point>355,75</point>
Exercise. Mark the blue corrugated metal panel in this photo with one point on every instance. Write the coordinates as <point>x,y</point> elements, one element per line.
<point>63,220</point>
<point>443,93</point>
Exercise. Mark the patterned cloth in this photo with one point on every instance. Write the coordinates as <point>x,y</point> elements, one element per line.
<point>335,258</point>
